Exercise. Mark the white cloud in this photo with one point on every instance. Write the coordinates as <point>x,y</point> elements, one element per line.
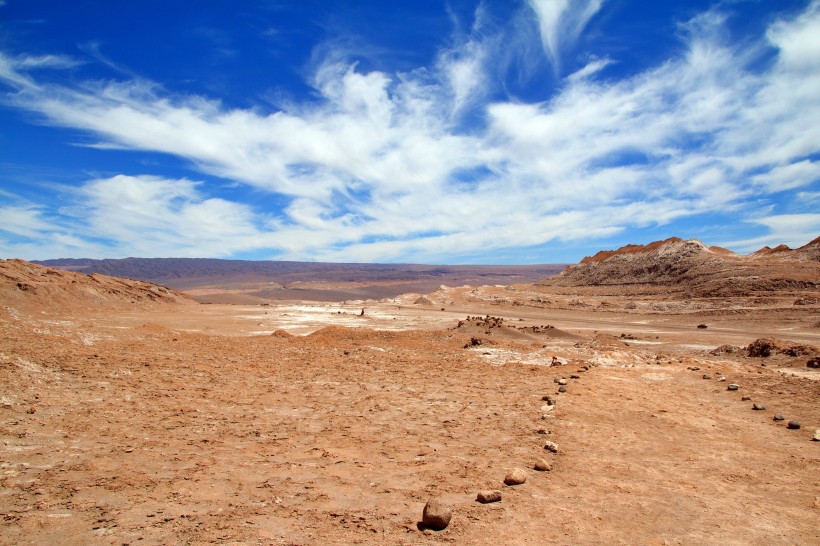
<point>561,22</point>
<point>134,216</point>
<point>25,220</point>
<point>793,230</point>
<point>382,167</point>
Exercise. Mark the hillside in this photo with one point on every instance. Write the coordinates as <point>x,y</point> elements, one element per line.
<point>25,284</point>
<point>692,268</point>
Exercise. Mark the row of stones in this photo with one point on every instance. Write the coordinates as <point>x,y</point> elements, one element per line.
<point>437,513</point>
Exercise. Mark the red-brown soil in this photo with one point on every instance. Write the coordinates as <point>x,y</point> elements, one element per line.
<point>164,422</point>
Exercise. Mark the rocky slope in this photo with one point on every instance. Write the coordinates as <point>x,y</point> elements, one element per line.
<point>692,268</point>
<point>27,284</point>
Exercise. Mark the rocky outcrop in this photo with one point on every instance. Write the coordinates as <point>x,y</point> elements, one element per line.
<point>692,268</point>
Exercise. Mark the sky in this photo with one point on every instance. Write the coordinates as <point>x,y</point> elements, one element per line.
<point>398,131</point>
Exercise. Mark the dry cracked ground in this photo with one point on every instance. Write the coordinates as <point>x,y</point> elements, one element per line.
<point>312,424</point>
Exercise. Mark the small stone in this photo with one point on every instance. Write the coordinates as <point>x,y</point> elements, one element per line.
<point>562,389</point>
<point>548,399</point>
<point>816,437</point>
<point>516,476</point>
<point>732,387</point>
<point>575,377</point>
<point>437,514</point>
<point>778,417</point>
<point>707,376</point>
<point>758,407</point>
<point>562,381</point>
<point>542,431</point>
<point>794,425</point>
<point>745,398</point>
<point>548,408</point>
<point>488,496</point>
<point>542,466</point>
<point>551,447</point>
<point>722,378</point>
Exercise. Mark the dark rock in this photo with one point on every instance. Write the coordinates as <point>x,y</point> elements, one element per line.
<point>732,387</point>
<point>548,399</point>
<point>813,362</point>
<point>562,389</point>
<point>707,376</point>
<point>437,514</point>
<point>745,398</point>
<point>778,417</point>
<point>761,348</point>
<point>794,425</point>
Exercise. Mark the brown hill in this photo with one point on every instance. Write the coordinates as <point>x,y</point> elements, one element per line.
<point>692,268</point>
<point>24,284</point>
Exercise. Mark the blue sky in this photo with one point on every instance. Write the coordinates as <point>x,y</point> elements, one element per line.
<point>504,131</point>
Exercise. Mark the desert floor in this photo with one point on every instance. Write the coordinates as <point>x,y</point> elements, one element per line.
<point>308,423</point>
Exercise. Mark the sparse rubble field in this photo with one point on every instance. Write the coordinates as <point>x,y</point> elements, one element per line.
<point>132,420</point>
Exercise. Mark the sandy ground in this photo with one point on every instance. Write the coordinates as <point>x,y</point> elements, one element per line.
<point>215,424</point>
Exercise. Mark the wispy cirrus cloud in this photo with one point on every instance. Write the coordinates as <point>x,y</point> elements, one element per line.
<point>382,166</point>
<point>560,23</point>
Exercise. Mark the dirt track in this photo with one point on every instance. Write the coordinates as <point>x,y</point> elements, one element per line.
<point>172,425</point>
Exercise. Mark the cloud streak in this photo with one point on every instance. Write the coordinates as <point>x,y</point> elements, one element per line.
<point>560,23</point>
<point>384,167</point>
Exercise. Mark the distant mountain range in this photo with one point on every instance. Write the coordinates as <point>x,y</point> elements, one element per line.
<point>302,280</point>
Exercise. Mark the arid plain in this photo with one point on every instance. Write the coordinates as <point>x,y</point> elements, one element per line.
<point>131,414</point>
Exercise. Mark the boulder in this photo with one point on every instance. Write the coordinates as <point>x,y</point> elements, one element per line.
<point>485,497</point>
<point>437,514</point>
<point>516,476</point>
<point>542,466</point>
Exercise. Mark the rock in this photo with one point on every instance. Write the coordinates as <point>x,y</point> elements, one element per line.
<point>562,389</point>
<point>562,381</point>
<point>488,496</point>
<point>794,425</point>
<point>813,362</point>
<point>732,387</point>
<point>575,377</point>
<point>548,399</point>
<point>548,408</point>
<point>745,398</point>
<point>762,348</point>
<point>778,417</point>
<point>542,466</point>
<point>516,476</point>
<point>722,378</point>
<point>758,407</point>
<point>815,438</point>
<point>551,447</point>
<point>707,376</point>
<point>437,514</point>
